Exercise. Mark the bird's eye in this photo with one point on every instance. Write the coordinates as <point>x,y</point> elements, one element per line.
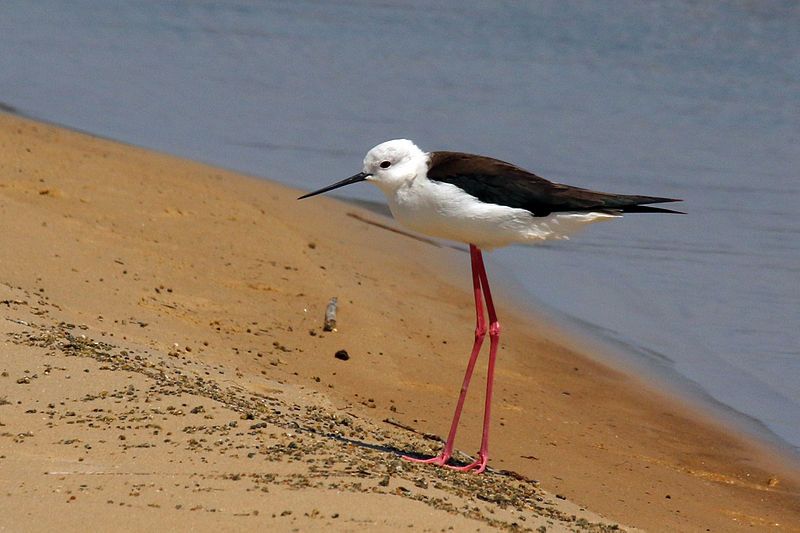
<point>385,164</point>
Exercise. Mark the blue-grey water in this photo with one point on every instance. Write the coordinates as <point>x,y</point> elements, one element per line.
<point>697,100</point>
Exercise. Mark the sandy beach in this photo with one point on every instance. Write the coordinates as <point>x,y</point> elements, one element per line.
<point>164,365</point>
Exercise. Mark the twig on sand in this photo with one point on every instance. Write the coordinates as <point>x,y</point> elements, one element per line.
<point>406,234</point>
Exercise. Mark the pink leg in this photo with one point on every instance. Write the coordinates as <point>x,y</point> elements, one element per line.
<point>480,333</point>
<point>479,465</point>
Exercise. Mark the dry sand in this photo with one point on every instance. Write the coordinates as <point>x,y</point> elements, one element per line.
<point>163,365</point>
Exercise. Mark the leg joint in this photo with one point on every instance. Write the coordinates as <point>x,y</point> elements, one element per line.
<point>494,329</point>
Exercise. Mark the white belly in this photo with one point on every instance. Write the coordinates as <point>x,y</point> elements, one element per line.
<point>445,211</point>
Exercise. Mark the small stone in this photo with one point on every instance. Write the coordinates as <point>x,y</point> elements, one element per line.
<point>342,355</point>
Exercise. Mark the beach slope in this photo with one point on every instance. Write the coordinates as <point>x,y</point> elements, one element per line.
<point>163,364</point>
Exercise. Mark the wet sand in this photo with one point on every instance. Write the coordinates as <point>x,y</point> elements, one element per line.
<point>164,365</point>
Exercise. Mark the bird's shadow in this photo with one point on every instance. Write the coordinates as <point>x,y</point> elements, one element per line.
<point>367,445</point>
<point>462,460</point>
<point>398,452</point>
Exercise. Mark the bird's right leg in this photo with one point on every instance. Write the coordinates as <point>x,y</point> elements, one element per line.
<point>480,463</point>
<point>480,333</point>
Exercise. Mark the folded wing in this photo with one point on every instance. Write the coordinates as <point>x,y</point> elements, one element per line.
<point>497,182</point>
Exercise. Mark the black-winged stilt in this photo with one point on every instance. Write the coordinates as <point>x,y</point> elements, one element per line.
<point>485,203</point>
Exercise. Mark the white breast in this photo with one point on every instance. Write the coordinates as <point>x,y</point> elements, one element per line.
<point>446,211</point>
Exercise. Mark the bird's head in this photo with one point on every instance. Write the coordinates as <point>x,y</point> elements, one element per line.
<point>389,165</point>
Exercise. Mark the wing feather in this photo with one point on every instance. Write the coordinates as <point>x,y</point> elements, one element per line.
<point>497,182</point>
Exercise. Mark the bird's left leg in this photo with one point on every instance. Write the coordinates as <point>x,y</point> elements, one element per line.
<point>479,465</point>
<point>480,333</point>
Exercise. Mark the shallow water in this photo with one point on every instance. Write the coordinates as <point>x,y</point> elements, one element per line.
<point>696,100</point>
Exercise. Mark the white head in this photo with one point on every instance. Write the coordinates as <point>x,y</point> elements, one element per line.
<point>389,165</point>
<point>394,163</point>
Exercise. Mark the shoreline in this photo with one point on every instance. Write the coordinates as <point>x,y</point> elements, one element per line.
<point>629,359</point>
<point>580,336</point>
<point>184,235</point>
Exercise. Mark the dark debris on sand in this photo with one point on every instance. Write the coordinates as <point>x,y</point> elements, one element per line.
<point>340,451</point>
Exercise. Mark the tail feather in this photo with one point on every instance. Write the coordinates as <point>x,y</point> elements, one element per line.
<point>637,204</point>
<point>649,209</point>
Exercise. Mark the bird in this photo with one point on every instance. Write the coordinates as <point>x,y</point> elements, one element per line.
<point>485,203</point>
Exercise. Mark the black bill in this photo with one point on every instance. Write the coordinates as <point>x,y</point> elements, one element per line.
<point>361,176</point>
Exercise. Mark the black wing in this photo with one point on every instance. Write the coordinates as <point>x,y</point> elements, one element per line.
<point>497,182</point>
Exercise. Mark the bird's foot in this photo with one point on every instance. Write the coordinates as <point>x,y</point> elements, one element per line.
<point>439,460</point>
<point>478,465</point>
